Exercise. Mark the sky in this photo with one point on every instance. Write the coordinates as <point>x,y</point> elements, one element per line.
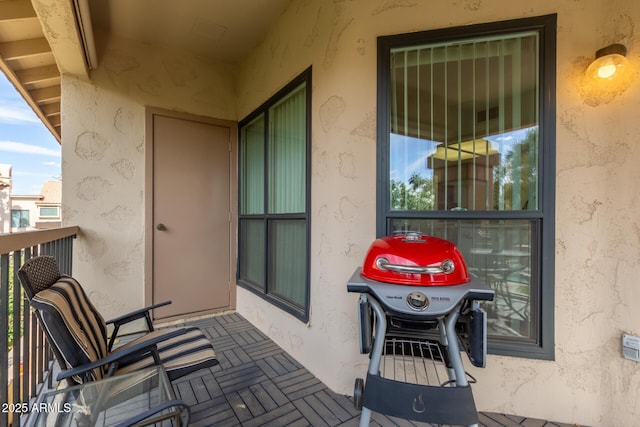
<point>25,143</point>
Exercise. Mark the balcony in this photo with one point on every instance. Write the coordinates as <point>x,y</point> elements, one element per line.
<point>256,382</point>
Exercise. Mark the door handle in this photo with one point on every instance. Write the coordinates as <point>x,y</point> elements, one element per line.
<point>161,227</point>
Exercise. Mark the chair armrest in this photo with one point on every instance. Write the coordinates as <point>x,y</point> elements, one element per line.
<point>134,315</point>
<point>140,349</point>
<point>156,410</point>
<point>130,317</point>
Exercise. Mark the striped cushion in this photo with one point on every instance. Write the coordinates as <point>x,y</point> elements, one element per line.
<point>73,323</point>
<point>178,354</point>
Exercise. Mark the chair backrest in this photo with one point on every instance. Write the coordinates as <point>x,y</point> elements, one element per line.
<point>38,273</point>
<point>74,327</point>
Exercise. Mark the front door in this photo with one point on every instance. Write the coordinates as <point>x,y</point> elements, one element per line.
<point>191,216</point>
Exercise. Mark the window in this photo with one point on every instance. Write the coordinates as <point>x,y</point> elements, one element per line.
<point>49,212</point>
<point>274,198</point>
<point>466,136</point>
<point>19,218</point>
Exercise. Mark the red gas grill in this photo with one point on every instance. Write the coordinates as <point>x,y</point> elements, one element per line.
<point>418,309</point>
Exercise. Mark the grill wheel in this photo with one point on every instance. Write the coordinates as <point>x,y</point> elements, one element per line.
<point>358,389</point>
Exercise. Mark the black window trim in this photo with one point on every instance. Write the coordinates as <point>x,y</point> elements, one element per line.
<point>301,313</point>
<point>546,26</point>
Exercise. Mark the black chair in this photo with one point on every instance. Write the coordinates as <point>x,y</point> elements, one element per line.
<point>78,333</point>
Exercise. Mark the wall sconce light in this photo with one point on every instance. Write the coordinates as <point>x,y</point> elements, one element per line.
<point>609,61</point>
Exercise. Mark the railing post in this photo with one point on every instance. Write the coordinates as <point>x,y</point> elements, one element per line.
<point>4,336</point>
<point>26,352</point>
<point>26,343</point>
<point>40,351</point>
<point>34,354</point>
<point>17,333</point>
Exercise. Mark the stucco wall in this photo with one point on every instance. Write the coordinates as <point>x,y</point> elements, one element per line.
<point>103,152</point>
<point>598,231</point>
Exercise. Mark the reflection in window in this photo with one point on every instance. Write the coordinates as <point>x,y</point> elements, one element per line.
<point>503,178</point>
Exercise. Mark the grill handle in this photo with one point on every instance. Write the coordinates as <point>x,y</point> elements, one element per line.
<point>446,267</point>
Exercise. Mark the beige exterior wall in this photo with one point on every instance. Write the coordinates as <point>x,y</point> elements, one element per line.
<point>597,239</point>
<point>103,152</point>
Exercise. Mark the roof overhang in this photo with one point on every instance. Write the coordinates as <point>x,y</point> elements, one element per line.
<point>28,56</point>
<point>44,39</point>
<point>38,42</point>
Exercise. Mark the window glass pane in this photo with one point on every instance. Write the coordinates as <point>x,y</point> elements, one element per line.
<point>252,167</point>
<point>287,153</point>
<point>288,263</point>
<point>49,211</point>
<point>273,255</point>
<point>19,218</point>
<point>500,253</point>
<point>464,125</point>
<point>251,254</point>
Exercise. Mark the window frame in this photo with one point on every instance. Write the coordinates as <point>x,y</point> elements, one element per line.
<point>543,217</point>
<point>302,313</point>
<point>56,215</point>
<point>28,218</point>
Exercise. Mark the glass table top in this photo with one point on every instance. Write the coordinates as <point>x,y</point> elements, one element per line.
<point>108,402</point>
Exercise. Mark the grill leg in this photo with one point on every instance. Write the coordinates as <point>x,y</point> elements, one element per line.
<point>376,352</point>
<point>365,417</point>
<point>378,341</point>
<point>451,373</point>
<point>453,349</point>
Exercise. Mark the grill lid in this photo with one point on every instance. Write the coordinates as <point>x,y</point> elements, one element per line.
<point>415,259</point>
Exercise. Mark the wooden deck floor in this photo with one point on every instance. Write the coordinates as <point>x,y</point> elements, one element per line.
<point>258,384</point>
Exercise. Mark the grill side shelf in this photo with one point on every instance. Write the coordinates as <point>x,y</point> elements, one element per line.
<point>481,294</point>
<point>358,287</point>
<point>440,405</point>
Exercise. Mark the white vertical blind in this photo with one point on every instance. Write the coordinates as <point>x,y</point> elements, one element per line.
<point>287,153</point>
<point>287,194</point>
<point>252,251</point>
<point>288,245</point>
<point>252,167</point>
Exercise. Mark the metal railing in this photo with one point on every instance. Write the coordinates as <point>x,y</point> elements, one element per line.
<point>25,357</point>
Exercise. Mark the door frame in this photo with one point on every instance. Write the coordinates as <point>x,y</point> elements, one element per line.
<point>150,113</point>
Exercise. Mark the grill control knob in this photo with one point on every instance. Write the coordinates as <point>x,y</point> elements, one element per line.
<point>417,301</point>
